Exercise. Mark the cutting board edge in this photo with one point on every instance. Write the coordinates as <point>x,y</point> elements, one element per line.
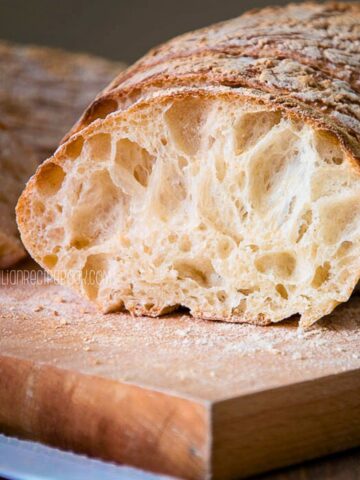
<point>156,431</point>
<point>286,425</point>
<point>225,432</point>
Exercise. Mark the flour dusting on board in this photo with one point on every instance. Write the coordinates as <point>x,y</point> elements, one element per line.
<point>48,323</point>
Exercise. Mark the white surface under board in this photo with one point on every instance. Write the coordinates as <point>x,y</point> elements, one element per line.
<point>25,460</point>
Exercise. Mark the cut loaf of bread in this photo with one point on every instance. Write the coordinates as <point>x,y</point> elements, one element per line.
<point>240,203</point>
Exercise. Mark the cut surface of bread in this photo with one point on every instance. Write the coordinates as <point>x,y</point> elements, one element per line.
<point>17,164</point>
<point>205,199</point>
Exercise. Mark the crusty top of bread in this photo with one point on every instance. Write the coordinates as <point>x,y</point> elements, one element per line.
<point>309,63</point>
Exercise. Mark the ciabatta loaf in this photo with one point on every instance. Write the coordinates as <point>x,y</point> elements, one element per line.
<point>220,173</point>
<point>17,164</point>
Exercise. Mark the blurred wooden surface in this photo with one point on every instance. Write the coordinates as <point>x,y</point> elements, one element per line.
<point>43,91</point>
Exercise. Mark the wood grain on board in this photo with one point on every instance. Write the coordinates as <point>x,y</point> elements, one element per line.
<point>175,395</point>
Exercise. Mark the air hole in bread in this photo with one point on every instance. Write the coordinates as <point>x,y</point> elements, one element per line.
<point>277,264</point>
<point>240,308</point>
<point>148,306</point>
<point>280,288</point>
<point>338,217</point>
<point>80,242</point>
<point>93,273</point>
<point>305,222</point>
<point>99,212</point>
<point>134,165</point>
<point>38,207</point>
<point>344,248</point>
<point>275,168</point>
<point>50,179</point>
<point>251,127</point>
<point>321,275</point>
<point>221,296</point>
<point>100,109</point>
<point>50,261</point>
<point>99,147</point>
<point>74,147</point>
<point>328,148</point>
<point>141,175</point>
<point>200,271</point>
<point>247,291</point>
<point>185,119</point>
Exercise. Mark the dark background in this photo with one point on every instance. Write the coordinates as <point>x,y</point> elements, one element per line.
<point>118,29</point>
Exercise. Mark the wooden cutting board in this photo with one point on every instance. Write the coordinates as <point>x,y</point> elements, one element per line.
<point>189,398</point>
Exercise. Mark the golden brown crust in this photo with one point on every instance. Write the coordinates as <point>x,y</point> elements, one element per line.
<point>324,35</point>
<point>309,61</point>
